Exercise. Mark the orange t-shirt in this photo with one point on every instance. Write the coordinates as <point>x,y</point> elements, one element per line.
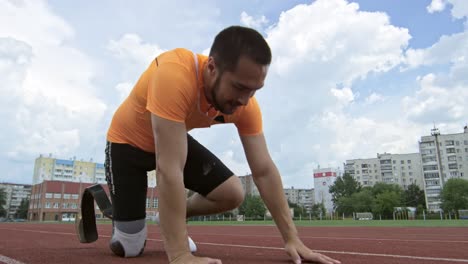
<point>171,88</point>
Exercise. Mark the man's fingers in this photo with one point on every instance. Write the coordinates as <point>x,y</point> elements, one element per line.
<point>214,261</point>
<point>313,256</point>
<point>294,255</point>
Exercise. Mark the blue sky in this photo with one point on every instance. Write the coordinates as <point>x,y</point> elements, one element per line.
<point>349,79</point>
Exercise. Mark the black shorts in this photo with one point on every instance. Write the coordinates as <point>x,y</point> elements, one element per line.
<point>126,174</point>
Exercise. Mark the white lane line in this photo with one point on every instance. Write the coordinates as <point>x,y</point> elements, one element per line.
<point>278,248</point>
<point>7,260</point>
<point>340,238</point>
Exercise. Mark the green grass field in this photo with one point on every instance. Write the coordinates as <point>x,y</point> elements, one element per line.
<point>334,223</point>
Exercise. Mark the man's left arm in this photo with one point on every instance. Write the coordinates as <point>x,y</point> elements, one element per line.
<point>268,181</point>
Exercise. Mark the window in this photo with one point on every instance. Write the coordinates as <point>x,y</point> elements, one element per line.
<point>56,205</point>
<point>47,205</point>
<point>410,173</point>
<point>409,161</point>
<point>402,162</point>
<point>74,196</point>
<point>57,195</point>
<point>155,202</point>
<point>402,167</point>
<point>48,195</point>
<point>66,196</point>
<point>65,205</point>
<point>457,143</point>
<point>429,167</point>
<point>409,167</point>
<point>394,162</point>
<point>403,175</point>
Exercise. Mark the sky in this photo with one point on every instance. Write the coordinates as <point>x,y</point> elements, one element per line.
<point>348,79</point>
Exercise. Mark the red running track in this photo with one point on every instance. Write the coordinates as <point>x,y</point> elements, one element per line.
<point>27,243</point>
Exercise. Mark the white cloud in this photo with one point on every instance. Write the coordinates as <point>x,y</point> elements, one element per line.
<point>330,34</point>
<point>434,102</point>
<point>436,6</point>
<point>124,89</point>
<point>51,106</point>
<point>131,49</point>
<point>249,21</point>
<point>344,96</point>
<point>374,98</point>
<point>459,7</point>
<point>449,49</point>
<point>319,51</point>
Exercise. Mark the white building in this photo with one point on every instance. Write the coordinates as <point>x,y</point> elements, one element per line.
<point>249,186</point>
<point>302,197</point>
<point>400,169</point>
<point>443,157</point>
<point>323,179</point>
<point>15,193</point>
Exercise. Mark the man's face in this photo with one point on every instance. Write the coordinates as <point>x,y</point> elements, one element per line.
<point>233,89</point>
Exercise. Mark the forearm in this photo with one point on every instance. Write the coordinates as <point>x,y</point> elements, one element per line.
<point>172,208</point>
<point>271,189</point>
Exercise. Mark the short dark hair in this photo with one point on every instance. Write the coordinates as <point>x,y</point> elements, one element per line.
<point>236,41</point>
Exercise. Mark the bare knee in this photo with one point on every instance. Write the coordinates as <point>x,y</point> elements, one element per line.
<point>236,197</point>
<point>230,194</point>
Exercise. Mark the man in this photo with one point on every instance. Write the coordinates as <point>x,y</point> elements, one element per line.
<point>180,91</point>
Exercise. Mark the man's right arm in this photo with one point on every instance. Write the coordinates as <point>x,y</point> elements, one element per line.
<point>170,140</point>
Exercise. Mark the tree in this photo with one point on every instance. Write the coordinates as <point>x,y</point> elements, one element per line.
<point>298,209</point>
<point>317,210</point>
<point>385,203</point>
<point>382,187</point>
<point>2,202</point>
<point>454,195</point>
<point>344,187</point>
<point>23,209</point>
<point>414,197</point>
<point>252,206</point>
<point>358,202</point>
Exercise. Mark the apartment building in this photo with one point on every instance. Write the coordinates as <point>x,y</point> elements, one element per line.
<point>302,197</point>
<point>248,185</point>
<point>48,168</point>
<point>15,193</point>
<point>443,157</point>
<point>400,169</point>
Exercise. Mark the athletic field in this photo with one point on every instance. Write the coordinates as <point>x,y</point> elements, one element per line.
<point>383,242</point>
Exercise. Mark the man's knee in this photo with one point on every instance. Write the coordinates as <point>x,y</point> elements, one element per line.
<point>236,195</point>
<point>126,244</point>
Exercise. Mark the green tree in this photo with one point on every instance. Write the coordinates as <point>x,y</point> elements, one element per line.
<point>413,196</point>
<point>23,209</point>
<point>385,202</point>
<point>2,202</point>
<point>252,207</point>
<point>344,187</point>
<point>382,187</point>
<point>358,202</point>
<point>363,201</point>
<point>317,209</point>
<point>454,195</point>
<point>298,209</point>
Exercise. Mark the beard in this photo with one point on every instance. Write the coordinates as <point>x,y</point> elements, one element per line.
<point>217,102</point>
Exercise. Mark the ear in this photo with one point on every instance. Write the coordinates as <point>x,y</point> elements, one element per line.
<point>211,66</point>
